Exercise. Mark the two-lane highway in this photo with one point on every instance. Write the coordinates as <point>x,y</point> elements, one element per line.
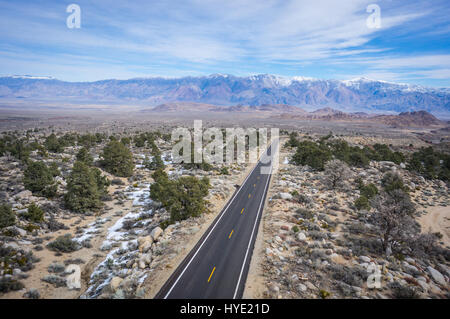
<point>217,266</point>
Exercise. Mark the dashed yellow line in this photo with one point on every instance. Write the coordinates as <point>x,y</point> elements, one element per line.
<point>211,274</point>
<point>231,233</point>
<point>242,211</point>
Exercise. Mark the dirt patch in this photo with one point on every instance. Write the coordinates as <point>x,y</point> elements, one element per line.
<point>436,220</point>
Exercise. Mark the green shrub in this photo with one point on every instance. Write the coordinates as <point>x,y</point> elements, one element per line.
<point>362,203</point>
<point>34,214</point>
<point>392,182</point>
<point>85,187</point>
<point>183,198</point>
<point>63,244</point>
<point>311,154</point>
<point>155,163</point>
<point>324,294</point>
<point>84,156</point>
<point>368,191</point>
<point>38,178</point>
<point>304,213</point>
<point>292,142</point>
<point>9,284</point>
<point>117,159</point>
<point>7,217</point>
<point>430,164</point>
<point>53,144</point>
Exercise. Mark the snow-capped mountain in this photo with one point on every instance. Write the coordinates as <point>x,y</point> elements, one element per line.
<point>359,94</point>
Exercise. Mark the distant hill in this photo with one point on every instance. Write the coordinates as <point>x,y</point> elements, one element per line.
<point>410,119</point>
<point>263,91</point>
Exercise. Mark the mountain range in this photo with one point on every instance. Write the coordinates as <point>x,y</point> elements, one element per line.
<point>357,95</point>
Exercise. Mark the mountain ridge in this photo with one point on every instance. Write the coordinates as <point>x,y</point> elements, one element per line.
<point>357,95</point>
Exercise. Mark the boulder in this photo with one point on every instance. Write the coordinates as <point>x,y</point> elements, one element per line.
<point>301,236</point>
<point>286,196</point>
<point>24,194</point>
<point>437,276</point>
<point>156,232</point>
<point>115,283</point>
<point>364,259</point>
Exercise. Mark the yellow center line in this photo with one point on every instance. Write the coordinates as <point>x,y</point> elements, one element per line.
<point>231,233</point>
<point>211,274</point>
<point>242,210</point>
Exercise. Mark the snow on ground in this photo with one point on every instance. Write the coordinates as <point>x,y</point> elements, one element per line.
<point>122,245</point>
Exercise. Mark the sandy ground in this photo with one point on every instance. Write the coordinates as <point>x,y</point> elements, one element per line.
<point>437,220</point>
<point>89,255</point>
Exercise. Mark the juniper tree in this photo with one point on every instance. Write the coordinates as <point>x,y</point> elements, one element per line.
<point>83,191</point>
<point>393,218</point>
<point>83,155</point>
<point>38,178</point>
<point>117,159</point>
<point>336,174</point>
<point>7,217</point>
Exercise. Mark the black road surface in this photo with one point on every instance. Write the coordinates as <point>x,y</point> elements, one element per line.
<point>217,266</point>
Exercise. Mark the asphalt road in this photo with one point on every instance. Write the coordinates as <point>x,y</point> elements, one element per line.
<point>217,266</point>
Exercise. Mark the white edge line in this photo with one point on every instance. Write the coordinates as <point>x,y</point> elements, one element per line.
<point>223,212</point>
<point>251,237</point>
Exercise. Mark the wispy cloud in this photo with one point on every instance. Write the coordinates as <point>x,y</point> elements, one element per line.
<point>319,38</point>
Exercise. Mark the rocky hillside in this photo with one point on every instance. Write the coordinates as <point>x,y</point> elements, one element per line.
<point>408,119</point>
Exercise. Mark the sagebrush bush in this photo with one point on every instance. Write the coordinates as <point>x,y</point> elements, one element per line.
<point>63,244</point>
<point>9,284</point>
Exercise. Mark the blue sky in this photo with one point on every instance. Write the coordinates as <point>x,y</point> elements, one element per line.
<point>314,38</point>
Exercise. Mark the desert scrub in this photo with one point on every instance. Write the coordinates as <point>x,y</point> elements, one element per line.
<point>8,284</point>
<point>304,213</point>
<point>57,281</point>
<point>351,276</point>
<point>11,259</point>
<point>324,294</point>
<point>63,244</point>
<point>31,228</point>
<point>403,292</point>
<point>56,268</point>
<point>54,225</point>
